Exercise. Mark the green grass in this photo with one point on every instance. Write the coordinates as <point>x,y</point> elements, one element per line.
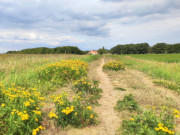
<point>169,58</point>
<point>157,70</point>
<point>121,89</point>
<point>21,69</point>
<point>128,103</point>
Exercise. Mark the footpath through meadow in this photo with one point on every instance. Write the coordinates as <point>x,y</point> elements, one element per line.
<point>109,119</point>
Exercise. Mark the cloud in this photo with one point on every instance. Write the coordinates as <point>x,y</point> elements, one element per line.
<point>85,23</point>
<point>35,38</point>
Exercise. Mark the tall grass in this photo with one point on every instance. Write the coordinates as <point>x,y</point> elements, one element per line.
<point>21,69</point>
<point>170,72</point>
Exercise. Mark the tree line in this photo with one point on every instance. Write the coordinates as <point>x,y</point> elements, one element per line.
<point>45,50</point>
<point>140,48</point>
<point>143,48</point>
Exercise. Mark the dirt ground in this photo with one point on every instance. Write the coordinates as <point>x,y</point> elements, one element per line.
<point>132,81</point>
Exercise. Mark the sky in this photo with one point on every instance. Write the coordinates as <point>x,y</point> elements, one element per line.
<point>88,24</point>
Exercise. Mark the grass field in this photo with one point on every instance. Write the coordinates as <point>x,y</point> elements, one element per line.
<point>167,74</point>
<point>52,91</point>
<point>144,107</point>
<point>26,80</point>
<point>169,58</point>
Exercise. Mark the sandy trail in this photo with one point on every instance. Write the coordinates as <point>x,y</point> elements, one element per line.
<point>109,118</point>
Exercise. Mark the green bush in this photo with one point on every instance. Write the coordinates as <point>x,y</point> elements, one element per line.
<point>128,103</point>
<point>114,65</point>
<point>20,110</point>
<point>150,123</point>
<point>75,113</point>
<point>61,72</point>
<point>89,90</point>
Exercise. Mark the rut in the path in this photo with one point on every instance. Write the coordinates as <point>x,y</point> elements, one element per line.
<point>109,119</point>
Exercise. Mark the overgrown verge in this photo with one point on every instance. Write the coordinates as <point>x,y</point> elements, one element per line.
<point>151,120</point>
<point>168,84</point>
<point>89,90</point>
<point>75,112</point>
<point>21,106</point>
<point>167,73</point>
<point>20,110</point>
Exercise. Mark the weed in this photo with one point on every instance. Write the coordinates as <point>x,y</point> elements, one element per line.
<point>75,113</point>
<point>168,84</point>
<point>128,103</point>
<point>121,89</point>
<point>20,110</point>
<point>151,122</point>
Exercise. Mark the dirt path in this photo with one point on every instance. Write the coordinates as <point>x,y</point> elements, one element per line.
<point>109,119</point>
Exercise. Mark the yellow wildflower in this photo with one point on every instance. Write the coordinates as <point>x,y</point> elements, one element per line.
<point>132,119</point>
<point>2,105</point>
<point>89,107</point>
<point>52,115</point>
<point>27,103</point>
<point>91,116</point>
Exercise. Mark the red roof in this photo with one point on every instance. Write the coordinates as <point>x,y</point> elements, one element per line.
<point>92,51</point>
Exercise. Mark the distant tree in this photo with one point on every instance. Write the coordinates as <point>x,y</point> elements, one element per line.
<point>130,49</point>
<point>44,50</point>
<point>159,48</point>
<point>102,51</point>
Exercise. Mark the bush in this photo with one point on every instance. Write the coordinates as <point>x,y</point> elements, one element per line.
<point>114,65</point>
<point>61,72</point>
<point>75,113</point>
<point>89,90</point>
<point>20,110</point>
<point>128,103</point>
<point>151,123</point>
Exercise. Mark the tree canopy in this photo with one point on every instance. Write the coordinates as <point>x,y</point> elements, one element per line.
<point>44,50</point>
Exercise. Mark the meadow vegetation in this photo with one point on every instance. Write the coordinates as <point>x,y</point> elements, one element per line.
<point>27,82</point>
<point>25,79</point>
<point>166,74</point>
<point>146,110</point>
<point>113,65</point>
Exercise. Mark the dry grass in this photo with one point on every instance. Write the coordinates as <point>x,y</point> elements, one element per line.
<point>145,92</point>
<point>142,87</point>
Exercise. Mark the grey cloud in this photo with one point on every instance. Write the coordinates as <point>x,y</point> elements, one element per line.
<point>87,19</point>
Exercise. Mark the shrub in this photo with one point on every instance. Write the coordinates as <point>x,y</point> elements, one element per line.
<point>128,103</point>
<point>151,123</point>
<point>75,113</point>
<point>20,111</point>
<point>114,65</point>
<point>61,72</point>
<point>89,90</point>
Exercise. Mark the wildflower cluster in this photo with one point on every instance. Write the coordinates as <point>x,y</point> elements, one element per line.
<point>163,128</point>
<point>155,120</point>
<point>74,113</point>
<point>88,90</point>
<point>176,113</point>
<point>114,65</point>
<point>20,110</point>
<point>63,71</point>
<point>35,131</point>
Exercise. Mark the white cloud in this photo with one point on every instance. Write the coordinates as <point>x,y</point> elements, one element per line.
<point>21,36</point>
